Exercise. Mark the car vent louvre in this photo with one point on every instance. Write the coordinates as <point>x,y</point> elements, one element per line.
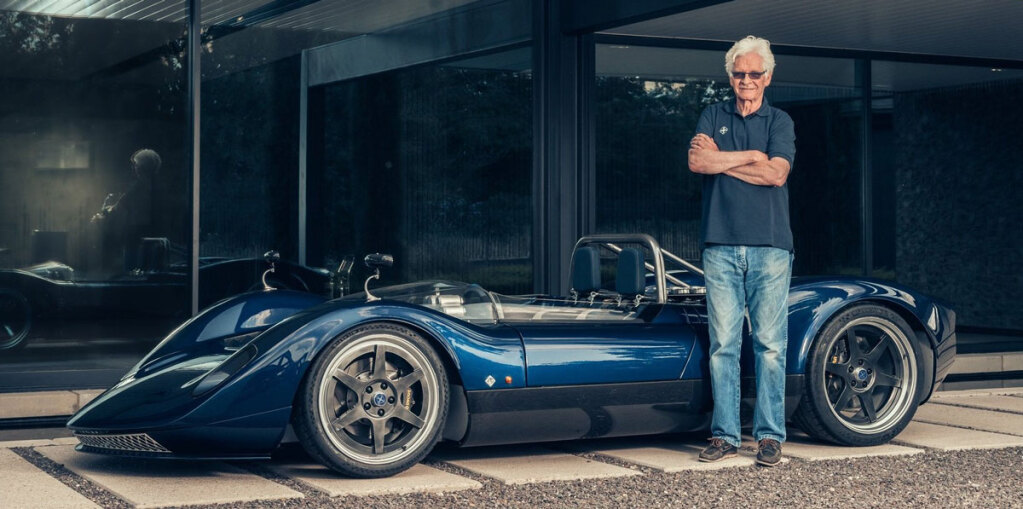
<point>136,442</point>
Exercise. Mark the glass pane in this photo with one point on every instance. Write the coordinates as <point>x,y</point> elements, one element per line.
<point>251,124</point>
<point>95,175</point>
<point>431,164</point>
<point>947,213</point>
<point>251,86</point>
<point>648,102</point>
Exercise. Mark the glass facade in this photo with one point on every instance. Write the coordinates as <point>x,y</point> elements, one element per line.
<point>647,103</point>
<point>249,145</point>
<point>945,186</point>
<point>433,165</point>
<point>96,226</point>
<point>439,132</point>
<point>95,175</point>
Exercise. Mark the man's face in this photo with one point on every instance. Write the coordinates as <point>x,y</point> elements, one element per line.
<point>747,88</point>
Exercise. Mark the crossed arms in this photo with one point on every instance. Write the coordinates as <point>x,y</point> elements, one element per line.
<point>750,166</point>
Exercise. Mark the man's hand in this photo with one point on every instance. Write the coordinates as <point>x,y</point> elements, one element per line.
<point>774,172</point>
<point>703,142</point>
<point>707,159</point>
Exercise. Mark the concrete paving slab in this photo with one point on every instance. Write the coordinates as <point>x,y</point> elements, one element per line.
<point>85,396</point>
<point>998,403</point>
<point>977,363</point>
<point>418,479</point>
<point>1012,362</point>
<point>990,391</point>
<point>157,483</point>
<point>984,420</point>
<point>39,442</point>
<point>661,454</point>
<point>970,385</point>
<point>812,450</point>
<point>37,404</point>
<point>946,438</point>
<point>524,465</point>
<point>65,441</point>
<point>25,486</point>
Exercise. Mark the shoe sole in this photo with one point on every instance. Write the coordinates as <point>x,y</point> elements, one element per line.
<point>726,456</point>
<point>766,464</point>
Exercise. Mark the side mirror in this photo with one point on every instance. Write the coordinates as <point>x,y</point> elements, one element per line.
<point>378,260</point>
<point>271,257</point>
<point>375,261</point>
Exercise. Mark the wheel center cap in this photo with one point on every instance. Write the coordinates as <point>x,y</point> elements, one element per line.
<point>379,399</point>
<point>861,374</point>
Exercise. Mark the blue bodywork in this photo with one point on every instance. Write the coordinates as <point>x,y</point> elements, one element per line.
<point>224,383</point>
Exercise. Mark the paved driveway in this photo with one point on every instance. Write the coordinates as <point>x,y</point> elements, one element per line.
<point>49,473</point>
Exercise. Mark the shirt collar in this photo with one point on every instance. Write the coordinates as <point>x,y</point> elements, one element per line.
<point>762,112</point>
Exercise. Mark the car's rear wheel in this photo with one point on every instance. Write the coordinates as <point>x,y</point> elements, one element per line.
<point>862,378</point>
<point>15,320</point>
<point>374,402</point>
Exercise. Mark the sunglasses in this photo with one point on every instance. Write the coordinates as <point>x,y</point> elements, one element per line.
<point>752,75</point>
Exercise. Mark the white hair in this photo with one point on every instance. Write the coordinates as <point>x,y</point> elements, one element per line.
<point>750,44</point>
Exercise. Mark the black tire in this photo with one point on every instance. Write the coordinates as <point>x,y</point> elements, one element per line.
<point>15,320</point>
<point>364,418</point>
<point>863,378</point>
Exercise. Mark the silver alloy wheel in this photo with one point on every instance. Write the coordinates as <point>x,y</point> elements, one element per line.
<point>379,399</point>
<point>870,375</point>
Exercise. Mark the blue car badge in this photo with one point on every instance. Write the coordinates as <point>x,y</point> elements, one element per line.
<point>379,399</point>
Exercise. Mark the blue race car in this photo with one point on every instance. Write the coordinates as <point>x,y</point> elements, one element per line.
<point>368,383</point>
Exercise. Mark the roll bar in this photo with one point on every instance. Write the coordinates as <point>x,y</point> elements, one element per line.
<point>661,276</point>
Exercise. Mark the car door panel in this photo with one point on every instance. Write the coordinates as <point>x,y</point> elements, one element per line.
<point>606,352</point>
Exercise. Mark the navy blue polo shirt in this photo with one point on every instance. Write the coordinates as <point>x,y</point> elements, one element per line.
<point>735,212</point>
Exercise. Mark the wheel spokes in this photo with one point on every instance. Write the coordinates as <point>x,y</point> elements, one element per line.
<point>402,384</point>
<point>837,368</point>
<point>883,345</point>
<point>349,381</point>
<point>853,344</point>
<point>844,398</point>
<point>886,379</point>
<point>406,415</point>
<point>379,362</point>
<point>867,404</point>
<point>379,434</point>
<point>346,419</point>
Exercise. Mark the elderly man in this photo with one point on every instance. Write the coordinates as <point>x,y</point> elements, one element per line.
<point>744,150</point>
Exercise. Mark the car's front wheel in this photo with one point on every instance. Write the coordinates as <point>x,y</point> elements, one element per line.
<point>862,378</point>
<point>374,402</point>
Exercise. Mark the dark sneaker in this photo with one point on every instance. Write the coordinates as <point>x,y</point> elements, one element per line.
<point>718,450</point>
<point>769,452</point>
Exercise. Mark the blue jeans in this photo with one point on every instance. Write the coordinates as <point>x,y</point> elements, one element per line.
<point>738,277</point>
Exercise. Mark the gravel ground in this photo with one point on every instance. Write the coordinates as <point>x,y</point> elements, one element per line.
<point>976,478</point>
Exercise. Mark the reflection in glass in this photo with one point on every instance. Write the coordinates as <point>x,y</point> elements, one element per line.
<point>432,165</point>
<point>95,179</point>
<point>946,186</point>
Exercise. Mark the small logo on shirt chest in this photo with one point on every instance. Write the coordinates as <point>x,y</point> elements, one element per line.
<point>723,130</point>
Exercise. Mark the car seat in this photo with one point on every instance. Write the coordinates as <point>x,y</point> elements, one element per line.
<point>585,274</point>
<point>630,279</point>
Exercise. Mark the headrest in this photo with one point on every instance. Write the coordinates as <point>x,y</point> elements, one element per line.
<point>631,276</point>
<point>586,270</point>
